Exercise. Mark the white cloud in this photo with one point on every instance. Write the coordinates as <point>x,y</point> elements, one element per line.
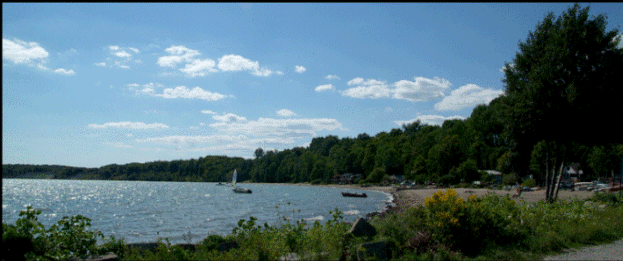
<point>279,127</point>
<point>195,67</point>
<point>332,77</point>
<point>179,92</point>
<point>194,93</point>
<point>128,125</point>
<point>422,89</point>
<point>179,54</point>
<point>29,53</point>
<point>466,96</point>
<point>372,89</point>
<point>19,51</point>
<point>430,119</point>
<point>229,117</point>
<point>125,53</point>
<point>120,65</point>
<point>299,69</point>
<point>64,71</point>
<point>233,62</point>
<point>285,113</point>
<point>208,112</point>
<point>199,67</point>
<point>324,87</point>
<point>122,54</point>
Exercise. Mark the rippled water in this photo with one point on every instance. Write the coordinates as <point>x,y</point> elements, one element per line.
<point>142,211</point>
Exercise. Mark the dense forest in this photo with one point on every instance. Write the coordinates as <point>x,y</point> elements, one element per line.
<point>562,98</point>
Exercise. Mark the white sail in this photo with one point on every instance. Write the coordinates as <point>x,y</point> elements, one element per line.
<point>234,178</point>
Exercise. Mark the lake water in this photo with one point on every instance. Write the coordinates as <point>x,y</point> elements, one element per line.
<point>143,211</point>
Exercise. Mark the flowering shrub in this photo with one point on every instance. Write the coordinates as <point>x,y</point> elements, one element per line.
<point>473,224</point>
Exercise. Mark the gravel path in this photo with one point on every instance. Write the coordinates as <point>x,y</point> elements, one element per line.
<point>612,251</point>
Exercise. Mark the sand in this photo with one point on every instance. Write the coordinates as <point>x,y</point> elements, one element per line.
<point>406,198</point>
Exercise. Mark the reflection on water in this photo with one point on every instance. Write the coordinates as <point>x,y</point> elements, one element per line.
<point>142,211</point>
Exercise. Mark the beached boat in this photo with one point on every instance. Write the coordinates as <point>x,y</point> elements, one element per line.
<point>237,189</point>
<point>355,195</point>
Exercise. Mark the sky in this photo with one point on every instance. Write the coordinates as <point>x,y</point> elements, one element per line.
<point>89,85</point>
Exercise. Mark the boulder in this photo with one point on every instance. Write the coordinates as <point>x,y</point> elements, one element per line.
<point>361,227</point>
<point>372,249</point>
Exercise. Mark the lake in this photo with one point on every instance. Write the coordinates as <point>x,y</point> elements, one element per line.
<point>143,211</point>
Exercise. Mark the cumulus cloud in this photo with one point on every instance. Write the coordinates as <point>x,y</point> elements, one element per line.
<point>299,69</point>
<point>332,77</point>
<point>178,55</point>
<point>29,53</point>
<point>324,87</point>
<point>195,67</point>
<point>422,89</point>
<point>194,93</point>
<point>237,135</point>
<point>208,112</point>
<point>279,127</point>
<point>19,51</point>
<point>466,96</point>
<point>285,113</point>
<point>430,119</point>
<point>199,67</point>
<point>179,92</point>
<point>229,117</point>
<point>128,125</point>
<point>64,71</point>
<point>372,89</point>
<point>233,62</point>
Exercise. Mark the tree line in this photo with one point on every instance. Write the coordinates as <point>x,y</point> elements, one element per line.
<point>560,108</point>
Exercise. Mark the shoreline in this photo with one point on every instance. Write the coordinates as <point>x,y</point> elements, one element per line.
<point>405,198</point>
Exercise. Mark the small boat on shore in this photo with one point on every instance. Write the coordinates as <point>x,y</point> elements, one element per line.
<point>354,195</point>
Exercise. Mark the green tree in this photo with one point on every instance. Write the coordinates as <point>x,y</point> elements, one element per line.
<point>566,70</point>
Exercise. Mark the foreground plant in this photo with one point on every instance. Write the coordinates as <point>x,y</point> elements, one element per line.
<point>70,237</point>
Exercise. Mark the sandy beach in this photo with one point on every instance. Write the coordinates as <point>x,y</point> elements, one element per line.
<point>409,197</point>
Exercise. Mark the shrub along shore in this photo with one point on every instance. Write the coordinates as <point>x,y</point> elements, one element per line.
<point>449,224</point>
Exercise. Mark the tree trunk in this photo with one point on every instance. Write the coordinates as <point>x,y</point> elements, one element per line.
<point>551,183</point>
<point>546,173</point>
<point>562,165</point>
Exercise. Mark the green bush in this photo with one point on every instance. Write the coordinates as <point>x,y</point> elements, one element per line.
<point>70,237</point>
<point>528,183</point>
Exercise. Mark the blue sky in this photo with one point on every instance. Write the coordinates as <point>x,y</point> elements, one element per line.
<point>95,84</point>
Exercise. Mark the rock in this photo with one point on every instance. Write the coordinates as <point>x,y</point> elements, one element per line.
<point>362,228</point>
<point>226,246</point>
<point>372,249</point>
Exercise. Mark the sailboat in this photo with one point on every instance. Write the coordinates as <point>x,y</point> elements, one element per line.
<point>237,189</point>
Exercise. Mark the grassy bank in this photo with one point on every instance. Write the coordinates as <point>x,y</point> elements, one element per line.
<point>446,227</point>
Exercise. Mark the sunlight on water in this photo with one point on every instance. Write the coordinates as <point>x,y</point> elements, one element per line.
<point>143,211</point>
